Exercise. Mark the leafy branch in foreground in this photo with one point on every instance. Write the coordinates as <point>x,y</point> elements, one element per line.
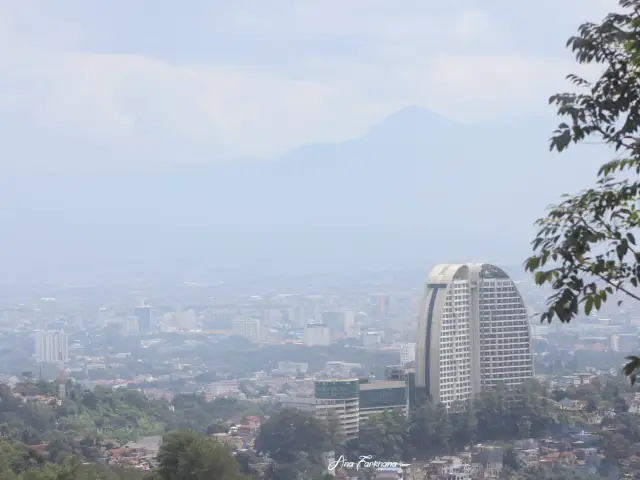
<point>585,249</point>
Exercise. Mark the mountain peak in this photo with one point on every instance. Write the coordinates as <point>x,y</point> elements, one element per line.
<point>410,120</point>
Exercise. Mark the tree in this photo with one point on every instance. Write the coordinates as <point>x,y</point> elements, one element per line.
<point>335,430</point>
<point>382,435</point>
<point>289,433</point>
<point>187,455</point>
<point>244,461</point>
<point>585,248</point>
<point>510,460</point>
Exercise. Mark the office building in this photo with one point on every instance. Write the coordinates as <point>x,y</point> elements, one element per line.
<point>413,399</point>
<point>380,397</point>
<point>224,388</point>
<point>372,338</point>
<point>340,369</point>
<point>625,342</point>
<point>379,305</point>
<point>351,327</point>
<point>342,397</point>
<point>143,314</point>
<point>248,328</point>
<point>186,320</point>
<point>308,404</point>
<point>293,368</point>
<point>317,334</point>
<point>473,333</point>
<point>539,332</point>
<point>52,347</point>
<point>335,322</point>
<point>407,353</point>
<point>352,400</point>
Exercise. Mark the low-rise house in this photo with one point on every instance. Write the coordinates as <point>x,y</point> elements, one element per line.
<point>594,419</point>
<point>445,465</point>
<point>490,461</point>
<point>573,405</point>
<point>529,456</point>
<point>148,446</point>
<point>568,459</point>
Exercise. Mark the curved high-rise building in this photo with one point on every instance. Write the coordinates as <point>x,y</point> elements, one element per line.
<point>473,333</point>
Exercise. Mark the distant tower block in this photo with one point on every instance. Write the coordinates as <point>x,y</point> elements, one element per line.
<point>143,314</point>
<point>62,386</point>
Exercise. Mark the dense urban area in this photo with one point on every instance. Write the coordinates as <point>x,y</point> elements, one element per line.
<point>448,368</point>
<point>306,381</point>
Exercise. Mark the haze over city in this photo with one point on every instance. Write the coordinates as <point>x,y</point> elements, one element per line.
<point>281,138</point>
<point>299,240</point>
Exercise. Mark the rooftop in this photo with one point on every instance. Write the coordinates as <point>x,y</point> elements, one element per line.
<point>382,385</point>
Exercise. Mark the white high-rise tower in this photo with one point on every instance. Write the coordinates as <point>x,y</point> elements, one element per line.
<point>473,333</point>
<point>52,347</point>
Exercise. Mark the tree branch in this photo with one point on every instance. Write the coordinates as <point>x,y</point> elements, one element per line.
<point>606,280</point>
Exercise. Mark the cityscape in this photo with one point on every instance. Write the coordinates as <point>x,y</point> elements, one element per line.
<point>349,352</point>
<point>319,240</point>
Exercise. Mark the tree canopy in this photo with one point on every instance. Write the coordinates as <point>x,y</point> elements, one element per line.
<point>289,433</point>
<point>187,455</point>
<point>586,247</point>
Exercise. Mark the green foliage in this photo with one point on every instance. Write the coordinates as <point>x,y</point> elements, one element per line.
<point>542,473</point>
<point>38,434</point>
<point>293,437</point>
<point>186,455</point>
<point>336,432</point>
<point>70,469</point>
<point>382,436</point>
<point>586,247</point>
<point>196,413</point>
<point>498,415</point>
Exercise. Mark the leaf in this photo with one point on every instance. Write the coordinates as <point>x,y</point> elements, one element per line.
<point>632,366</point>
<point>631,238</point>
<point>588,305</point>
<point>597,301</point>
<point>589,235</point>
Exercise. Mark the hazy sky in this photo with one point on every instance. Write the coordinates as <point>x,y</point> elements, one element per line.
<point>256,78</point>
<point>137,86</point>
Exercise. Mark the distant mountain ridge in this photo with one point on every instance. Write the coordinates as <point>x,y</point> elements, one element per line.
<point>416,189</point>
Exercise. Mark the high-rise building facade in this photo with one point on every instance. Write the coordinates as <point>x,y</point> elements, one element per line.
<point>248,328</point>
<point>342,398</point>
<point>143,314</point>
<point>52,347</point>
<point>317,334</point>
<point>473,333</point>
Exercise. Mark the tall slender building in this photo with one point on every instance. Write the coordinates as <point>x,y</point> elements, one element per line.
<point>143,314</point>
<point>52,347</point>
<point>473,333</point>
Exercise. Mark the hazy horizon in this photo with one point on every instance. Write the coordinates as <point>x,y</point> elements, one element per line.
<point>239,138</point>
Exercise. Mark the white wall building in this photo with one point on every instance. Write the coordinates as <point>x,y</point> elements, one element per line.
<point>340,369</point>
<point>301,403</point>
<point>293,367</point>
<point>248,328</point>
<point>473,333</point>
<point>317,334</point>
<point>624,342</point>
<point>407,353</point>
<point>539,332</point>
<point>224,387</point>
<point>187,320</point>
<point>52,347</point>
<point>339,397</point>
<point>370,339</point>
<point>351,329</point>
